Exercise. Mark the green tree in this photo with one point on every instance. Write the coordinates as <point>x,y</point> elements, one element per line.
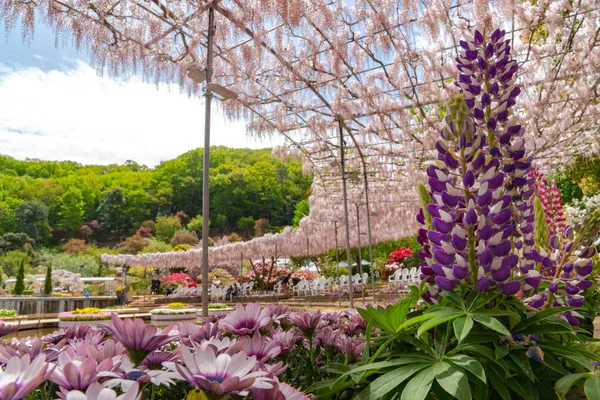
<point>246,224</point>
<point>301,210</point>
<point>12,260</point>
<point>112,212</point>
<point>7,221</point>
<point>48,281</point>
<point>32,219</point>
<point>166,227</point>
<point>15,241</point>
<point>70,209</point>
<point>20,284</point>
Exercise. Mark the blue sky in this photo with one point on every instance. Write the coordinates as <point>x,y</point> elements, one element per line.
<point>54,106</point>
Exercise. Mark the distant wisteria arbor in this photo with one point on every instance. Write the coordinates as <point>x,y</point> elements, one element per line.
<point>375,74</point>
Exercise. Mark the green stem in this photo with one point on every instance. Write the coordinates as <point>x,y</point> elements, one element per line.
<point>153,392</point>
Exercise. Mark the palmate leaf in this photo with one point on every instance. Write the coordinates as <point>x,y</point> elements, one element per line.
<point>419,387</point>
<point>498,384</point>
<point>462,327</point>
<point>592,387</point>
<point>522,362</point>
<point>470,364</point>
<point>440,318</point>
<point>539,316</point>
<point>389,381</point>
<point>455,382</point>
<point>564,384</point>
<point>491,323</point>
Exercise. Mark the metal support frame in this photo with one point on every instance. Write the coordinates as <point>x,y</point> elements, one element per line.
<point>343,163</point>
<point>360,270</point>
<point>369,233</point>
<point>337,262</point>
<point>206,165</point>
<point>308,269</point>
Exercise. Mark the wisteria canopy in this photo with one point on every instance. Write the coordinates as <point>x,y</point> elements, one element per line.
<point>375,73</point>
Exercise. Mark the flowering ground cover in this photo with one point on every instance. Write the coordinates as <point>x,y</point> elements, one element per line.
<point>84,314</point>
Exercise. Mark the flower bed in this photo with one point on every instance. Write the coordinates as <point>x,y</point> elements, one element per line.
<point>7,313</point>
<point>121,310</point>
<point>173,311</point>
<point>89,316</point>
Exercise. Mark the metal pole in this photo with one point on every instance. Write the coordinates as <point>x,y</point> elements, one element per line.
<point>350,285</point>
<point>337,261</point>
<point>369,234</point>
<point>360,270</point>
<point>308,267</point>
<point>206,166</point>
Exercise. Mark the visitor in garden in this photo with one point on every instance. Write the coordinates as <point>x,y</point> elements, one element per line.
<point>285,282</point>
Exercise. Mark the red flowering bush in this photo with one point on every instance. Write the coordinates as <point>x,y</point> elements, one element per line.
<point>144,232</point>
<point>306,274</point>
<point>178,278</point>
<point>398,255</point>
<point>264,275</point>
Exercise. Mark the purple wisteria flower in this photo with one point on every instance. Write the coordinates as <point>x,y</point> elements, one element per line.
<point>139,338</point>
<point>245,321</point>
<point>220,374</point>
<point>22,376</point>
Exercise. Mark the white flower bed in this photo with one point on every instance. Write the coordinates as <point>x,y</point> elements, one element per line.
<point>170,311</point>
<point>122,310</point>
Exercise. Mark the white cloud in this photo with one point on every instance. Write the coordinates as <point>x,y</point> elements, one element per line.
<point>76,115</point>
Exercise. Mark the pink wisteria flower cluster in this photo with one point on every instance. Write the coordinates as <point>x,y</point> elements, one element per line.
<point>253,352</point>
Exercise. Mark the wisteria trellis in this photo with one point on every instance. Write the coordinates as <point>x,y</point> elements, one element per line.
<point>379,69</point>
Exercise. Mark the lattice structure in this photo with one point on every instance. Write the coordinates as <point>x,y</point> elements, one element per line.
<point>379,70</point>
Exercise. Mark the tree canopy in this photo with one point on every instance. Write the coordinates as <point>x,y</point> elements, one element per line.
<point>63,198</point>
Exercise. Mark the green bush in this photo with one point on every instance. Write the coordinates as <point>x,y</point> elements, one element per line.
<point>27,292</point>
<point>20,284</point>
<point>166,227</point>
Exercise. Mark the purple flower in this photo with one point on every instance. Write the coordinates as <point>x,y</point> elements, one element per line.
<point>286,340</point>
<point>6,329</point>
<point>350,346</point>
<point>97,392</point>
<point>257,346</point>
<point>21,376</point>
<point>280,391</point>
<point>245,321</point>
<point>222,374</point>
<point>306,322</point>
<point>139,338</point>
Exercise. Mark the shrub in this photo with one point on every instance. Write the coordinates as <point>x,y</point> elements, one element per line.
<point>261,226</point>
<point>48,281</point>
<point>12,260</point>
<point>84,232</point>
<point>156,246</point>
<point>184,238</point>
<point>150,224</point>
<point>182,247</point>
<point>75,246</point>
<point>234,238</point>
<point>195,225</point>
<point>144,232</point>
<point>133,245</point>
<point>166,227</point>
<point>183,217</point>
<point>220,276</point>
<point>20,284</point>
<point>27,292</point>
<point>246,224</point>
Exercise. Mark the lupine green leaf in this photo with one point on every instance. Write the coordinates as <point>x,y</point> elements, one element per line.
<point>564,384</point>
<point>389,381</point>
<point>498,384</point>
<point>522,362</point>
<point>539,316</point>
<point>491,323</point>
<point>454,298</point>
<point>554,365</point>
<point>470,364</point>
<point>418,387</point>
<point>455,382</point>
<point>592,387</point>
<point>438,320</point>
<point>462,327</point>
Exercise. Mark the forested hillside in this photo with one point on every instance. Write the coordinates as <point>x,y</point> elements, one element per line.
<point>51,201</point>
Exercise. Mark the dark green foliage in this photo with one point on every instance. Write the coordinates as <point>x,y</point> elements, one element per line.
<point>20,283</point>
<point>244,183</point>
<point>112,214</point>
<point>15,241</point>
<point>48,281</point>
<point>470,346</point>
<point>32,219</point>
<point>568,189</point>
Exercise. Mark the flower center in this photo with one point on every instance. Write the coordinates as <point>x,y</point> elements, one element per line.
<point>216,378</point>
